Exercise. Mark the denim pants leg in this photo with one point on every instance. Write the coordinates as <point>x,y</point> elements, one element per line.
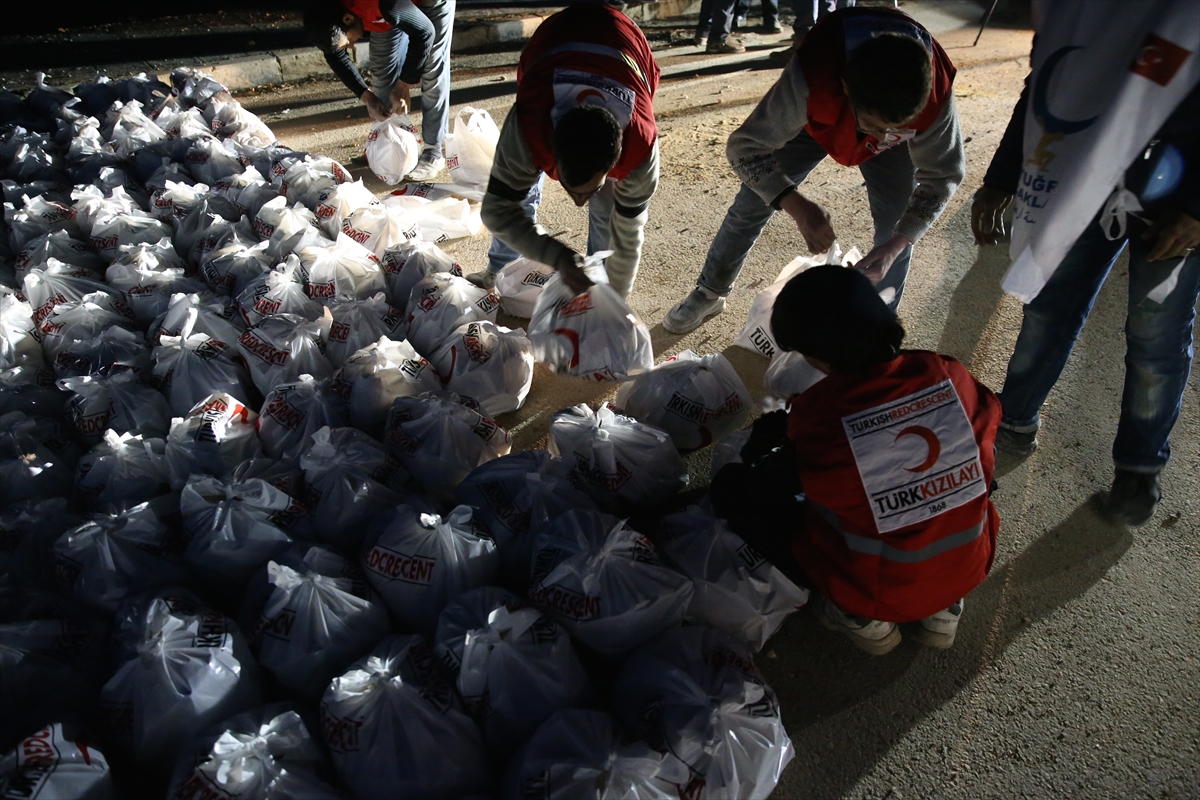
<point>749,214</point>
<point>600,210</point>
<point>890,183</point>
<point>1158,358</point>
<point>722,21</point>
<point>1051,324</point>
<point>387,51</point>
<point>500,254</point>
<point>435,79</point>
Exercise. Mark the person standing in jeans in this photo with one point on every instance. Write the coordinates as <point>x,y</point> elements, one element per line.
<point>716,23</point>
<point>1164,285</point>
<point>872,89</point>
<point>409,45</point>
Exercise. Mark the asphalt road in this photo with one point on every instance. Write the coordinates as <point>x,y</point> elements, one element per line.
<point>1075,672</point>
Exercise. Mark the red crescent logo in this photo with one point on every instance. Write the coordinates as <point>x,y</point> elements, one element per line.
<point>586,93</point>
<point>572,337</point>
<point>931,440</point>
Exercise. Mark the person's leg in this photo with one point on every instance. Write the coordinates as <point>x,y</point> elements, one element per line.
<point>387,51</point>
<point>500,254</point>
<point>890,184</point>
<point>435,87</point>
<point>770,16</point>
<point>1049,328</point>
<point>806,12</point>
<point>740,229</point>
<point>705,22</point>
<point>600,209</point>
<point>1158,360</point>
<point>723,23</point>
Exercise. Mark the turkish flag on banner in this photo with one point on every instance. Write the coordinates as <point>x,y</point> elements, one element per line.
<point>1106,75</point>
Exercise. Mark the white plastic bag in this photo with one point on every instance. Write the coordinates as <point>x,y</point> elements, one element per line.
<point>514,496</point>
<point>593,335</point>
<point>344,270</point>
<point>467,612</point>
<point>122,471</point>
<point>286,229</point>
<point>729,450</point>
<point>395,727</point>
<point>520,285</point>
<point>203,312</point>
<point>18,340</point>
<point>37,457</point>
<point>700,697</point>
<point>357,324</point>
<point>439,440</point>
<point>517,670</point>
<point>183,668</point>
<point>442,219</point>
<point>110,232</point>
<point>293,412</point>
<point>189,368</point>
<point>350,478</point>
<point>471,147</point>
<point>737,591</point>
<point>405,264</point>
<point>282,347</point>
<point>118,401</point>
<point>376,375</point>
<point>58,245</point>
<point>112,556</point>
<point>393,146</point>
<point>378,227</point>
<point>336,203</point>
<point>421,561</point>
<point>316,622</point>
<point>46,764</point>
<point>306,180</point>
<point>756,333</point>
<point>440,303</point>
<point>697,400</point>
<point>487,363</point>
<point>233,121</point>
<point>604,583</point>
<point>617,459</point>
<point>280,291</point>
<point>230,268</point>
<point>577,750</point>
<point>215,437</point>
<point>263,754</point>
<point>231,526</point>
<point>789,374</point>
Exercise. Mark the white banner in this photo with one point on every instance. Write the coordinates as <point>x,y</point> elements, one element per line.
<point>1106,75</point>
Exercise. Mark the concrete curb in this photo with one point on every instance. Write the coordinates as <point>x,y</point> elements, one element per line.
<point>286,66</point>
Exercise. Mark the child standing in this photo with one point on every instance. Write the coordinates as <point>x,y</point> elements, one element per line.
<point>894,454</point>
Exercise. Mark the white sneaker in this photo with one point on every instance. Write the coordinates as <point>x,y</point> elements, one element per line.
<point>687,315</point>
<point>939,630</point>
<point>872,635</point>
<point>426,168</point>
<point>483,279</point>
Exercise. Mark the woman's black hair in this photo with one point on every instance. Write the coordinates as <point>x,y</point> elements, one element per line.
<point>834,314</point>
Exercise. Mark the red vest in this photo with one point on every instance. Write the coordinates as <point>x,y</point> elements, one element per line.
<point>587,54</point>
<point>822,58</point>
<point>368,12</point>
<point>896,466</point>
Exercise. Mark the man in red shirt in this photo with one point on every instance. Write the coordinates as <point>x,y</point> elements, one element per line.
<point>583,116</point>
<point>334,26</point>
<point>870,88</point>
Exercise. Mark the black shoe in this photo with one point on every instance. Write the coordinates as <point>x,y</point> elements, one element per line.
<point>1020,444</point>
<point>1133,497</point>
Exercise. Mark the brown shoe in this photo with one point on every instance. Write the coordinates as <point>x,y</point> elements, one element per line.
<point>727,47</point>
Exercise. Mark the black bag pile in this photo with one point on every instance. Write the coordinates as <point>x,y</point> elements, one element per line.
<point>261,534</point>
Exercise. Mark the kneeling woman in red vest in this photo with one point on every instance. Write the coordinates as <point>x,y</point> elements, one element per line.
<point>891,519</point>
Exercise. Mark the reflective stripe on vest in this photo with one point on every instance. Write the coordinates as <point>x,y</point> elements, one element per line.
<point>594,49</point>
<point>877,547</point>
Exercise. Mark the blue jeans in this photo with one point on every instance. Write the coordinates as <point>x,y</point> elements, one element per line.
<point>716,20</point>
<point>1158,339</point>
<point>809,11</point>
<point>600,210</point>
<point>389,50</point>
<point>890,184</point>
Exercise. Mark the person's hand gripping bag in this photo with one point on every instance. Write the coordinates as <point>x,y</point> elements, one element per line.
<point>393,147</point>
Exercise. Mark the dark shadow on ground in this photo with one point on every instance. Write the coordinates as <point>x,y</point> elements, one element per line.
<point>845,709</point>
<point>974,301</point>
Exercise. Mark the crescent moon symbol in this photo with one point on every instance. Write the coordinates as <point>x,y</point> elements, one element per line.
<point>931,441</point>
<point>586,93</point>
<point>1041,90</point>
